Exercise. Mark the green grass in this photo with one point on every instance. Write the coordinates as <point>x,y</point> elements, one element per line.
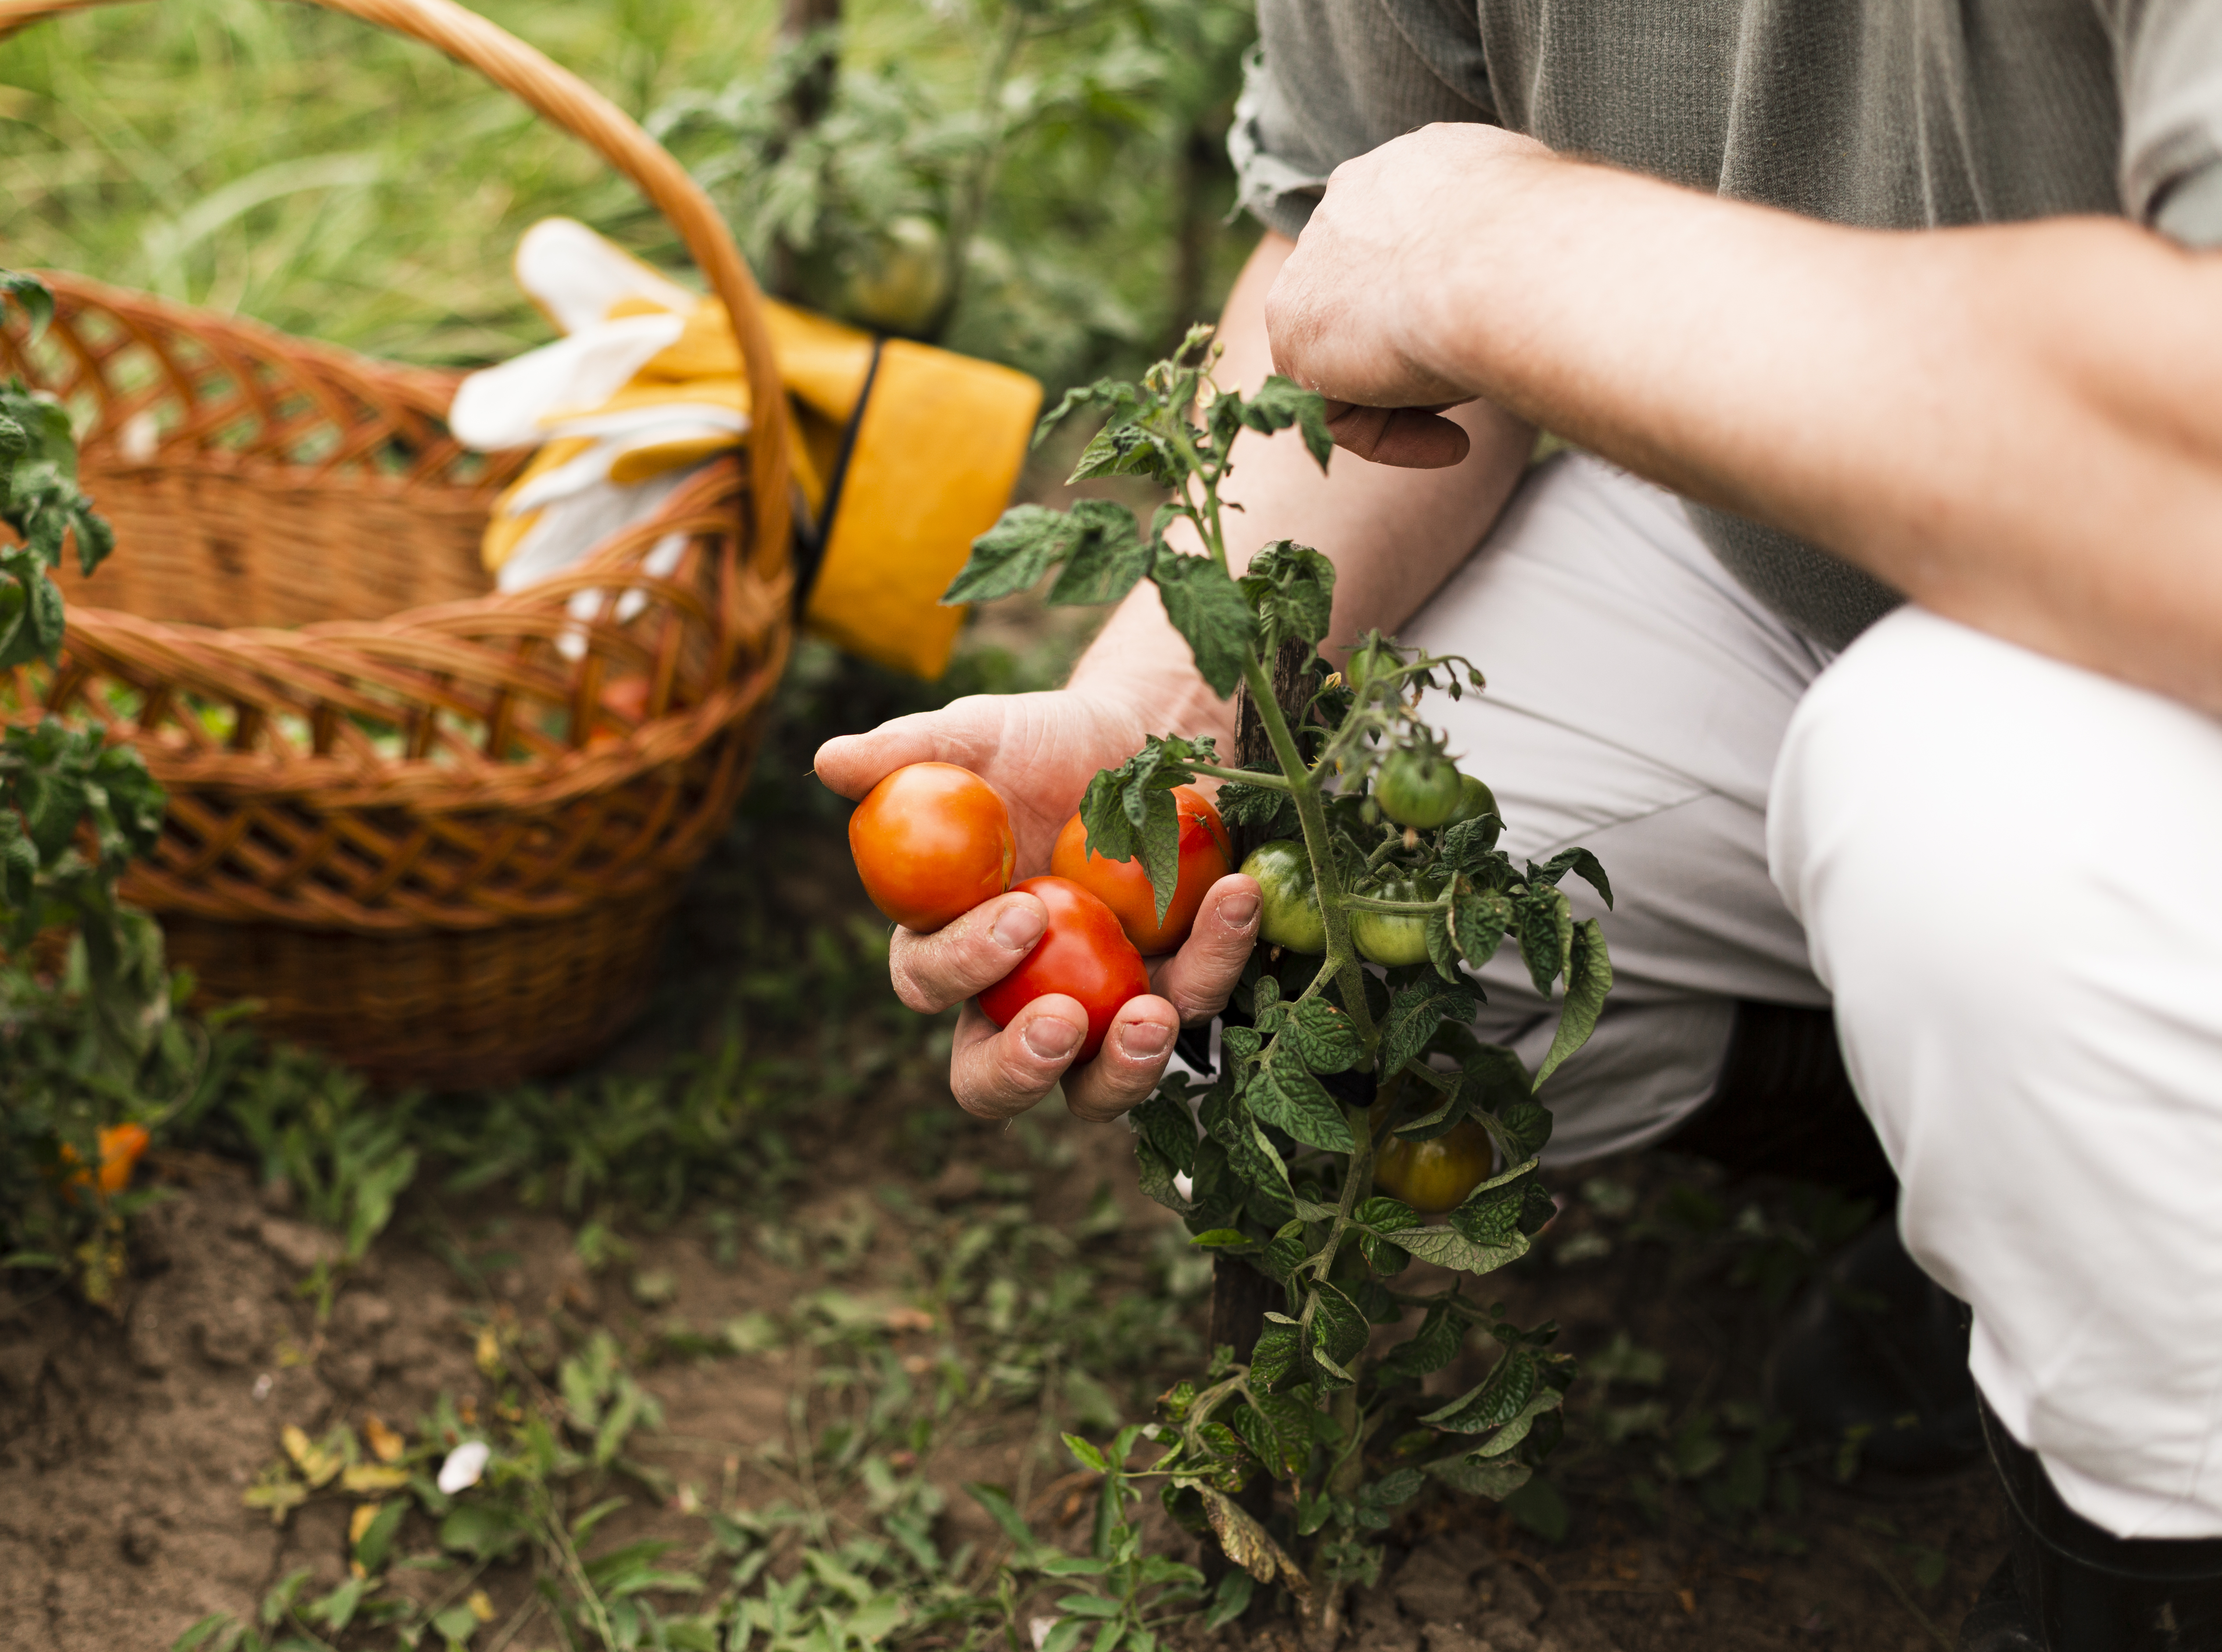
<point>301,167</point>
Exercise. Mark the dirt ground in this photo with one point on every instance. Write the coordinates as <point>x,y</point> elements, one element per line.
<point>125,1443</point>
<point>1673,1516</point>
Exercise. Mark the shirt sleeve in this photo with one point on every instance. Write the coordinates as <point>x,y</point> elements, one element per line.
<point>1332,79</point>
<point>2169,61</point>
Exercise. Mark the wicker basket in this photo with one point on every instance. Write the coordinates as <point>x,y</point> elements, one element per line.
<point>435,830</point>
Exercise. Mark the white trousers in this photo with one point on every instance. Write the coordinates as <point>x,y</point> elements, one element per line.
<point>2006,887</point>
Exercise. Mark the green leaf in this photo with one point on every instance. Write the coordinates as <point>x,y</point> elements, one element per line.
<point>1205,606</point>
<point>1106,560</point>
<point>1224,1238</point>
<point>1520,1425</point>
<point>1012,556</point>
<point>1274,1357</point>
<point>1491,1214</point>
<point>1445,1247</point>
<point>1498,1477</point>
<point>1230,1600</point>
<point>1129,811</point>
<point>1470,846</point>
<point>1477,925</point>
<point>1339,1332</point>
<point>1167,1125</point>
<point>1131,450</point>
<point>1494,1401</point>
<point>1291,1099</point>
<point>1524,1127</point>
<point>1326,1038</point>
<point>1581,863</point>
<point>1290,587</point>
<point>1415,1012</point>
<point>1272,811</point>
<point>1086,1454</point>
<point>1589,978</point>
<point>1280,403</point>
<point>1434,1346</point>
<point>1155,1172</point>
<point>1544,926</point>
<point>38,308</point>
<point>1003,1511</point>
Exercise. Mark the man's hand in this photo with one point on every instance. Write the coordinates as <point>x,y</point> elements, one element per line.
<point>1039,751</point>
<point>1354,314</point>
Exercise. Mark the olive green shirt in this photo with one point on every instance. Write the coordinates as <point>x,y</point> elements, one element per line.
<point>1888,114</point>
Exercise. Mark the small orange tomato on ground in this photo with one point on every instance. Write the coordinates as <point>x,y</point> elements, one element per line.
<point>1083,953</point>
<point>1124,887</point>
<point>932,842</point>
<point>120,1147</point>
<point>1435,1176</point>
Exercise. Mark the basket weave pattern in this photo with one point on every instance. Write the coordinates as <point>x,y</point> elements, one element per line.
<point>435,830</point>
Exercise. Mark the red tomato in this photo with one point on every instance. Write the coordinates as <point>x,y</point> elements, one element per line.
<point>1124,887</point>
<point>1083,954</point>
<point>932,842</point>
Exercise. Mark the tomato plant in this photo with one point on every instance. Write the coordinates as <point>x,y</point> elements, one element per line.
<point>1271,1157</point>
<point>83,1046</point>
<point>1083,953</point>
<point>1289,914</point>
<point>1124,885</point>
<point>932,842</point>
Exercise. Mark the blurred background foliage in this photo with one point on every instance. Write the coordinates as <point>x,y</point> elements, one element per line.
<point>1042,182</point>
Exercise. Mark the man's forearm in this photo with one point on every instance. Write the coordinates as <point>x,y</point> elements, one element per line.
<point>1393,534</point>
<point>2015,425</point>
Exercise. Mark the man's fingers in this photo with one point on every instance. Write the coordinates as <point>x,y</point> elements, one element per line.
<point>1127,1067</point>
<point>1001,1075</point>
<point>853,763</point>
<point>947,965</point>
<point>1201,976</point>
<point>1409,438</point>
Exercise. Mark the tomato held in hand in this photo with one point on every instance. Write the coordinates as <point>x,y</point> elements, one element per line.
<point>932,842</point>
<point>1124,885</point>
<point>1418,789</point>
<point>1435,1176</point>
<point>1083,954</point>
<point>1289,914</point>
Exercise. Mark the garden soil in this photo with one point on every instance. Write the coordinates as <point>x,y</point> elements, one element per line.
<point>127,1438</point>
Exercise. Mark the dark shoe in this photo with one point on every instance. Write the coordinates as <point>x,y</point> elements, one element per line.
<point>2081,1589</point>
<point>2000,1620</point>
<point>1784,1107</point>
<point>1877,1352</point>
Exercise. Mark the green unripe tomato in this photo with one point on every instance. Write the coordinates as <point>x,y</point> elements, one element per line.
<point>1290,913</point>
<point>1419,788</point>
<point>1391,937</point>
<point>1475,800</point>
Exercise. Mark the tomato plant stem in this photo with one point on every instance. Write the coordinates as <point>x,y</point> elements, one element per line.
<point>1327,877</point>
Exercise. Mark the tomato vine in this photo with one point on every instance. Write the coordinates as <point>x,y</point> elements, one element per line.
<point>1269,1158</point>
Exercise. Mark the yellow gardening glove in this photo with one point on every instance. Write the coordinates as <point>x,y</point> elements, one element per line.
<point>647,384</point>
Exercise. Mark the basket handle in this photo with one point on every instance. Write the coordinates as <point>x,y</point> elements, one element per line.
<point>562,98</point>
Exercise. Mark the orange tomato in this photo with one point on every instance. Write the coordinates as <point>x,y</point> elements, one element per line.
<point>1124,887</point>
<point>932,842</point>
<point>120,1147</point>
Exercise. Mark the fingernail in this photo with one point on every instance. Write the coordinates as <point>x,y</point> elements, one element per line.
<point>1019,926</point>
<point>1144,1039</point>
<point>1239,911</point>
<point>1051,1039</point>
